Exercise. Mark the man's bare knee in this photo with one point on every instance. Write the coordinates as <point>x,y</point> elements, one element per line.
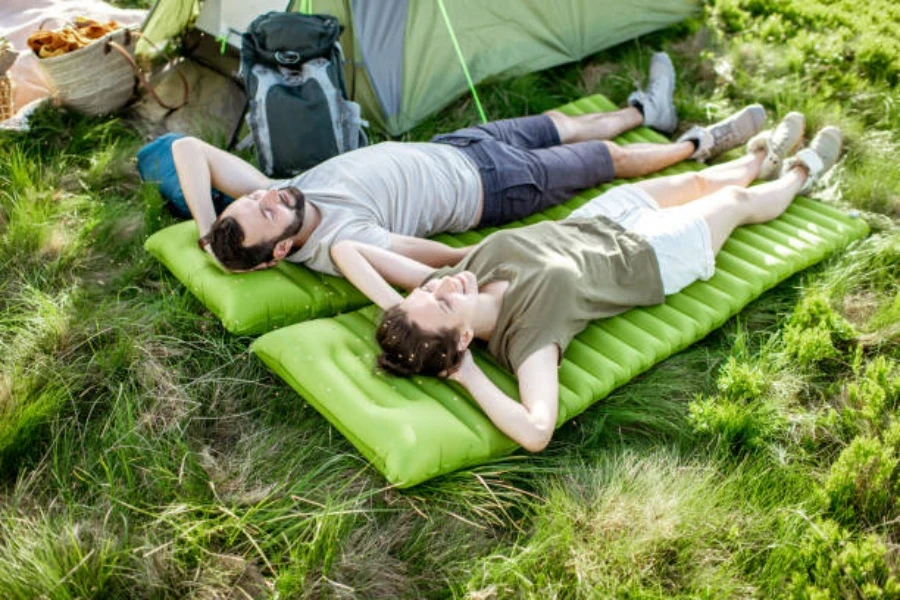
<point>616,152</point>
<point>563,123</point>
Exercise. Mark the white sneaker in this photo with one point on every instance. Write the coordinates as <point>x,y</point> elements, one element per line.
<point>656,102</point>
<point>778,144</point>
<point>821,154</point>
<point>727,134</point>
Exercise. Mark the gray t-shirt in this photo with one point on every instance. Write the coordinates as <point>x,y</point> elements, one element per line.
<point>562,275</point>
<point>415,189</point>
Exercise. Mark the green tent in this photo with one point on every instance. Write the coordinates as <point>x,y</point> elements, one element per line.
<point>406,58</point>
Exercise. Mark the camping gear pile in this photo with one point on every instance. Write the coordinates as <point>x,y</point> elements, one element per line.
<point>407,60</point>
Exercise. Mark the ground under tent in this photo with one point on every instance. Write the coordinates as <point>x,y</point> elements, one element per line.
<point>404,58</point>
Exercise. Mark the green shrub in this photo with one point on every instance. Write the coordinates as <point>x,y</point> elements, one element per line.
<point>876,390</point>
<point>816,334</point>
<point>809,347</point>
<point>742,427</point>
<point>864,405</point>
<point>815,311</point>
<point>862,482</point>
<point>877,61</point>
<point>833,564</point>
<point>891,436</point>
<point>732,17</point>
<point>742,381</point>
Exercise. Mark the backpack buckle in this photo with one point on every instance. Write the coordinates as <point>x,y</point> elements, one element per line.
<point>287,57</point>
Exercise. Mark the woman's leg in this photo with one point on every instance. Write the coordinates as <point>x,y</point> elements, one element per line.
<point>676,190</point>
<point>734,206</point>
<point>686,238</point>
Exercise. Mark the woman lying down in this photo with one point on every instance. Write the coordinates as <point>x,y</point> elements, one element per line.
<point>527,292</point>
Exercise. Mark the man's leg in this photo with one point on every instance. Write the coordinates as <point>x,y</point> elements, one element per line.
<point>637,160</point>
<point>594,126</point>
<point>652,107</point>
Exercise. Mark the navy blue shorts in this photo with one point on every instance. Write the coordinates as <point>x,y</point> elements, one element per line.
<point>524,167</point>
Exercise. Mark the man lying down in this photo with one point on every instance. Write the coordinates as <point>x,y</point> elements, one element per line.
<point>391,195</point>
<point>527,292</point>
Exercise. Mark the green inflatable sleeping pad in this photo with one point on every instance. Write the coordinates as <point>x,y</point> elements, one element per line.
<point>257,302</point>
<point>415,429</point>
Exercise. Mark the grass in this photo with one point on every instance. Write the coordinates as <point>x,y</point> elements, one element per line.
<point>144,453</point>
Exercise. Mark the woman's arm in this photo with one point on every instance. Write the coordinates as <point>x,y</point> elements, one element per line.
<point>530,423</point>
<point>429,252</point>
<point>201,166</point>
<point>373,270</point>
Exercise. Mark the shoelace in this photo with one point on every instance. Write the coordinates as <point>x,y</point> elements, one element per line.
<point>727,132</point>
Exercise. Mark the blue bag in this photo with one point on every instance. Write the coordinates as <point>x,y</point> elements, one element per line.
<point>156,165</point>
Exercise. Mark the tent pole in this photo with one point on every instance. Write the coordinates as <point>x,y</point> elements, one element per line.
<point>462,60</point>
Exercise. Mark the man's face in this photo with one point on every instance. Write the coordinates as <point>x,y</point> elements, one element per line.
<point>266,215</point>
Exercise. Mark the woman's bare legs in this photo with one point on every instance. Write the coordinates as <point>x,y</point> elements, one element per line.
<point>733,206</point>
<point>676,190</point>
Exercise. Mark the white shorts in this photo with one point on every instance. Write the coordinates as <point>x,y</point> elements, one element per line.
<point>679,236</point>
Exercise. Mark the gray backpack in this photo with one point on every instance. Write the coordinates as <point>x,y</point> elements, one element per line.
<point>298,111</point>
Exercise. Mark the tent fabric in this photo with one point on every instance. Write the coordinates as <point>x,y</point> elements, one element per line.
<point>379,29</point>
<point>505,39</point>
<point>414,429</point>
<point>260,301</point>
<point>402,57</point>
<point>167,19</point>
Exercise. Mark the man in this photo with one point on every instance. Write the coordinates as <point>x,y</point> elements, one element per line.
<point>393,194</point>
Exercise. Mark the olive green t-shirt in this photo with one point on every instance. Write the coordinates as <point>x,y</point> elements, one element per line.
<point>561,274</point>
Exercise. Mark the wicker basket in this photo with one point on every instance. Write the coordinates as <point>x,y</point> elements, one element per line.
<point>96,79</point>
<point>7,58</point>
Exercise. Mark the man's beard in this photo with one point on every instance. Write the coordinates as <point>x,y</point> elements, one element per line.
<point>299,209</point>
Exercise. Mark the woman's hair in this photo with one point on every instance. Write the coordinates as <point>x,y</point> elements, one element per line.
<point>407,349</point>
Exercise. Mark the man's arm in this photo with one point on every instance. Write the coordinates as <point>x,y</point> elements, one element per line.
<point>530,423</point>
<point>428,252</point>
<point>373,270</point>
<point>201,166</point>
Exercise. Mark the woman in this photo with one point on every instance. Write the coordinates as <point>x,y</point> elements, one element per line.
<point>527,292</point>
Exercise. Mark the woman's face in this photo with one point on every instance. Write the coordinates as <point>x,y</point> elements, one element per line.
<point>446,303</point>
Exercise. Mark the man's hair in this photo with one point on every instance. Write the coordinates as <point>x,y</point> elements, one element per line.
<point>407,349</point>
<point>226,240</point>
